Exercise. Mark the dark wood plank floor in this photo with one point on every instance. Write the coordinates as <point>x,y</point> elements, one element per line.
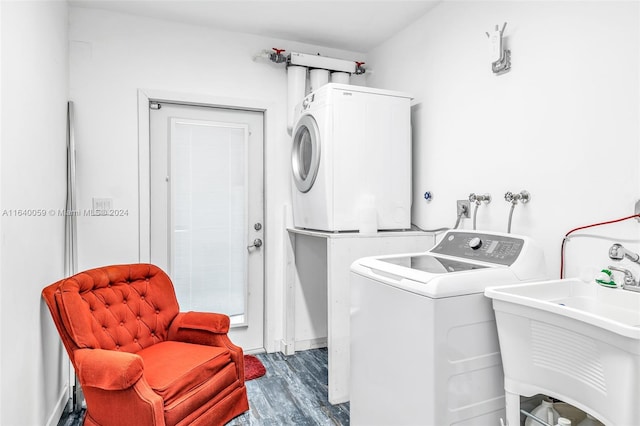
<point>293,392</point>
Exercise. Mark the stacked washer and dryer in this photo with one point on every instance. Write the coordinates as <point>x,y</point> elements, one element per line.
<point>423,341</point>
<point>351,160</point>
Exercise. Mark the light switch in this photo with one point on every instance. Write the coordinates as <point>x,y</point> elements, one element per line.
<point>102,205</point>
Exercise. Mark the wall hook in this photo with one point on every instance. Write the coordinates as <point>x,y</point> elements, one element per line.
<point>500,57</point>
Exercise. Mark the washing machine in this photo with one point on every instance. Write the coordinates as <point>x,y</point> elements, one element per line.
<point>424,345</point>
<point>351,160</point>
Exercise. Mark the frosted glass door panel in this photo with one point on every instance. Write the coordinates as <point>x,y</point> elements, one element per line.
<point>209,216</point>
<point>206,204</point>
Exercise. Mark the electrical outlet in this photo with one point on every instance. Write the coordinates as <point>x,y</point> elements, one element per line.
<point>464,207</point>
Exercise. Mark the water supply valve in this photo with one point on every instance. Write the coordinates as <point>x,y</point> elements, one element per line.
<point>359,68</point>
<point>474,198</point>
<point>522,196</point>
<point>277,56</point>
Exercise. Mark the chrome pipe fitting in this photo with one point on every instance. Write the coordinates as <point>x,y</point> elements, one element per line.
<point>474,198</point>
<point>523,196</point>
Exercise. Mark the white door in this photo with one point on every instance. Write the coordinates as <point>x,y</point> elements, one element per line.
<point>207,211</point>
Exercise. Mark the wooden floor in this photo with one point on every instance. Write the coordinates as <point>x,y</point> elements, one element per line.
<point>293,392</point>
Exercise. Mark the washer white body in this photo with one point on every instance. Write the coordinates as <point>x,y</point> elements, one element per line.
<point>424,345</point>
<point>351,160</point>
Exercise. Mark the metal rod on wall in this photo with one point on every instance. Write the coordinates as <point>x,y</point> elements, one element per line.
<point>71,237</point>
<point>70,225</point>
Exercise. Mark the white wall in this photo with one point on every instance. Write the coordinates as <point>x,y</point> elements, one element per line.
<point>112,56</point>
<point>562,124</point>
<point>32,176</point>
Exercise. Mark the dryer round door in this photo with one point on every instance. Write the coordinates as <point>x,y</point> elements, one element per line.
<point>305,153</point>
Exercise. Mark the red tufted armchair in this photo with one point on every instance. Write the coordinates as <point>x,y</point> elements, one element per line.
<point>138,359</point>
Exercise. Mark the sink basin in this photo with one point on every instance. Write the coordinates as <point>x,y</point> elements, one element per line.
<point>613,309</point>
<point>573,340</point>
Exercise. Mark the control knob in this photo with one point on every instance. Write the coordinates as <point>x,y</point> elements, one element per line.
<point>475,243</point>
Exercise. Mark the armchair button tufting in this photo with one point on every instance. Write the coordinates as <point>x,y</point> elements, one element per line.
<point>138,317</point>
<point>157,311</point>
<point>142,297</point>
<point>121,323</point>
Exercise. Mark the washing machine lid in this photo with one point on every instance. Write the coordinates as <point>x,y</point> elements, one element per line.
<point>464,262</point>
<point>432,276</point>
<point>305,153</point>
<point>432,264</point>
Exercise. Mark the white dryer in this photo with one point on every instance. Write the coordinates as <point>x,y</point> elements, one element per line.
<point>351,159</point>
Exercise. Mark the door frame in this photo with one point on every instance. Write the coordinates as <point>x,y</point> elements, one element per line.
<point>144,182</point>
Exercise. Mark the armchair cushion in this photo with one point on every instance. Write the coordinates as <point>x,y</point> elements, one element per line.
<point>191,366</point>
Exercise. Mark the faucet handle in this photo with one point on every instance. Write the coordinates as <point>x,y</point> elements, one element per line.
<point>628,276</point>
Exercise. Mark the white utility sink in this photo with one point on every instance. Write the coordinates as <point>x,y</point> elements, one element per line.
<point>573,340</point>
<point>613,309</point>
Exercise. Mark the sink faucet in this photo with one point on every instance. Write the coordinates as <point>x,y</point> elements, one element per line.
<point>629,282</point>
<point>617,252</point>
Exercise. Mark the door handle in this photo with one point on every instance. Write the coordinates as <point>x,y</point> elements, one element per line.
<point>257,243</point>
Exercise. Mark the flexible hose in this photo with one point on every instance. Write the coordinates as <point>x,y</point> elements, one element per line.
<point>513,206</point>
<point>429,230</point>
<point>475,212</point>
<point>566,236</point>
<point>458,220</point>
<point>462,213</point>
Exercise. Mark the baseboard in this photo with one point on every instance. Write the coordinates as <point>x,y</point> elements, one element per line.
<point>287,348</point>
<point>303,345</point>
<point>58,409</point>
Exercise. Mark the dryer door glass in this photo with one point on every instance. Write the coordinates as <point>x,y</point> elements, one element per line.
<point>305,153</point>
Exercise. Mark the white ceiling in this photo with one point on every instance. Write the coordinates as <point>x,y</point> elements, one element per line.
<point>356,25</point>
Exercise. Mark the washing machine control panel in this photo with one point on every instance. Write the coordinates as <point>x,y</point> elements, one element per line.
<point>485,247</point>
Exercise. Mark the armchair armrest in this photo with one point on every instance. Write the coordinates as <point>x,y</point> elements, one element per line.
<point>108,370</point>
<point>115,379</point>
<point>207,328</point>
<point>207,321</point>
